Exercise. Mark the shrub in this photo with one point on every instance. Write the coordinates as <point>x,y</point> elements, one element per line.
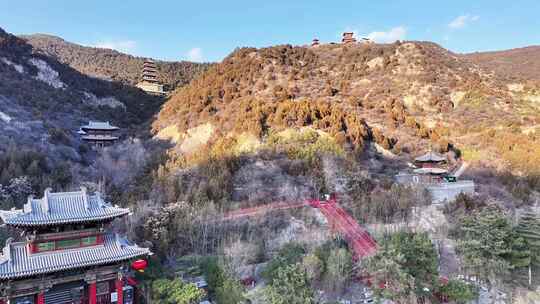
<point>290,254</point>
<point>290,286</point>
<point>175,292</point>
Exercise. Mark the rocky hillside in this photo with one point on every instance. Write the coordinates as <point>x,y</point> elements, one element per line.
<point>404,96</point>
<point>112,65</point>
<point>520,63</point>
<point>43,101</point>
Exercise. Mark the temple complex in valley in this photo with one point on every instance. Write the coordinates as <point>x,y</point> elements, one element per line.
<point>67,253</point>
<point>99,134</point>
<point>150,82</point>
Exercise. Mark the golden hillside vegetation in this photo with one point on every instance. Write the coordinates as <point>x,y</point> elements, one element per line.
<point>397,94</point>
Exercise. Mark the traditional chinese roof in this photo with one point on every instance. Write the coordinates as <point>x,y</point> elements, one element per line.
<point>348,37</point>
<point>98,137</point>
<point>99,125</point>
<point>430,157</point>
<point>435,171</point>
<point>17,262</point>
<point>62,208</point>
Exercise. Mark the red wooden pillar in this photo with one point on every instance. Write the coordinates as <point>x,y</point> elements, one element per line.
<point>92,293</point>
<point>40,298</point>
<point>120,290</point>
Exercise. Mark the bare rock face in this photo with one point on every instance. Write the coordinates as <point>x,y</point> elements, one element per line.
<point>109,101</point>
<point>47,74</point>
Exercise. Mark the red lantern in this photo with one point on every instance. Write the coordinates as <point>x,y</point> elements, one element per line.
<point>139,265</point>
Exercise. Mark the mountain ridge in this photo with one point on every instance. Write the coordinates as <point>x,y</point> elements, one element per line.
<point>111,64</point>
<point>517,63</point>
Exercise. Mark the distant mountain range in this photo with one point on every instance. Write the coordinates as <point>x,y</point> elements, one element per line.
<point>520,63</point>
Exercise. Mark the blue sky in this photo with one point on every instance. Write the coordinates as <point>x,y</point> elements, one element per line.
<point>209,30</point>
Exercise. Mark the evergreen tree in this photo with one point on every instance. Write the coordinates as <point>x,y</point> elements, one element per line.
<point>388,277</point>
<point>338,268</point>
<point>528,230</point>
<point>486,244</point>
<point>175,292</point>
<point>290,286</point>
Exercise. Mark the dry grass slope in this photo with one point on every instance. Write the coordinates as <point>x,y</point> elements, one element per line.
<point>400,95</point>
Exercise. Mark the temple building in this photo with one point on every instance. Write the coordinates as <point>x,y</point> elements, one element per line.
<point>99,134</point>
<point>432,171</point>
<point>431,167</point>
<point>68,254</point>
<point>366,41</point>
<point>348,37</point>
<point>150,82</point>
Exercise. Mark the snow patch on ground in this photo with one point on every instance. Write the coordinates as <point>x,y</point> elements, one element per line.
<point>4,117</point>
<point>112,102</point>
<point>19,68</point>
<point>47,74</point>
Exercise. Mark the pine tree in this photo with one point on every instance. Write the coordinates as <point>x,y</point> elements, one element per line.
<point>529,230</point>
<point>486,244</point>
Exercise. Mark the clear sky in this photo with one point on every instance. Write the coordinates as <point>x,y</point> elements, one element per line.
<point>209,30</point>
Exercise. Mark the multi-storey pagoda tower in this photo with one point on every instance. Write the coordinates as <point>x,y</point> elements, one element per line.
<point>150,82</point>
<point>99,133</point>
<point>67,254</point>
<point>149,71</point>
<point>348,37</point>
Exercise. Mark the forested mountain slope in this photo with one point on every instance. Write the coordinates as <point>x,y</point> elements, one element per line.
<point>110,64</point>
<point>520,63</point>
<point>43,101</point>
<point>398,95</point>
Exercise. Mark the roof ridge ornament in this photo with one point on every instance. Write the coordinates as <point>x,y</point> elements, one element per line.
<point>85,198</point>
<point>45,200</point>
<point>100,201</point>
<point>118,241</point>
<point>27,208</point>
<point>6,252</point>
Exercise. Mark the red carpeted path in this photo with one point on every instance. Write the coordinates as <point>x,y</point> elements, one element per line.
<point>259,210</point>
<point>359,240</point>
